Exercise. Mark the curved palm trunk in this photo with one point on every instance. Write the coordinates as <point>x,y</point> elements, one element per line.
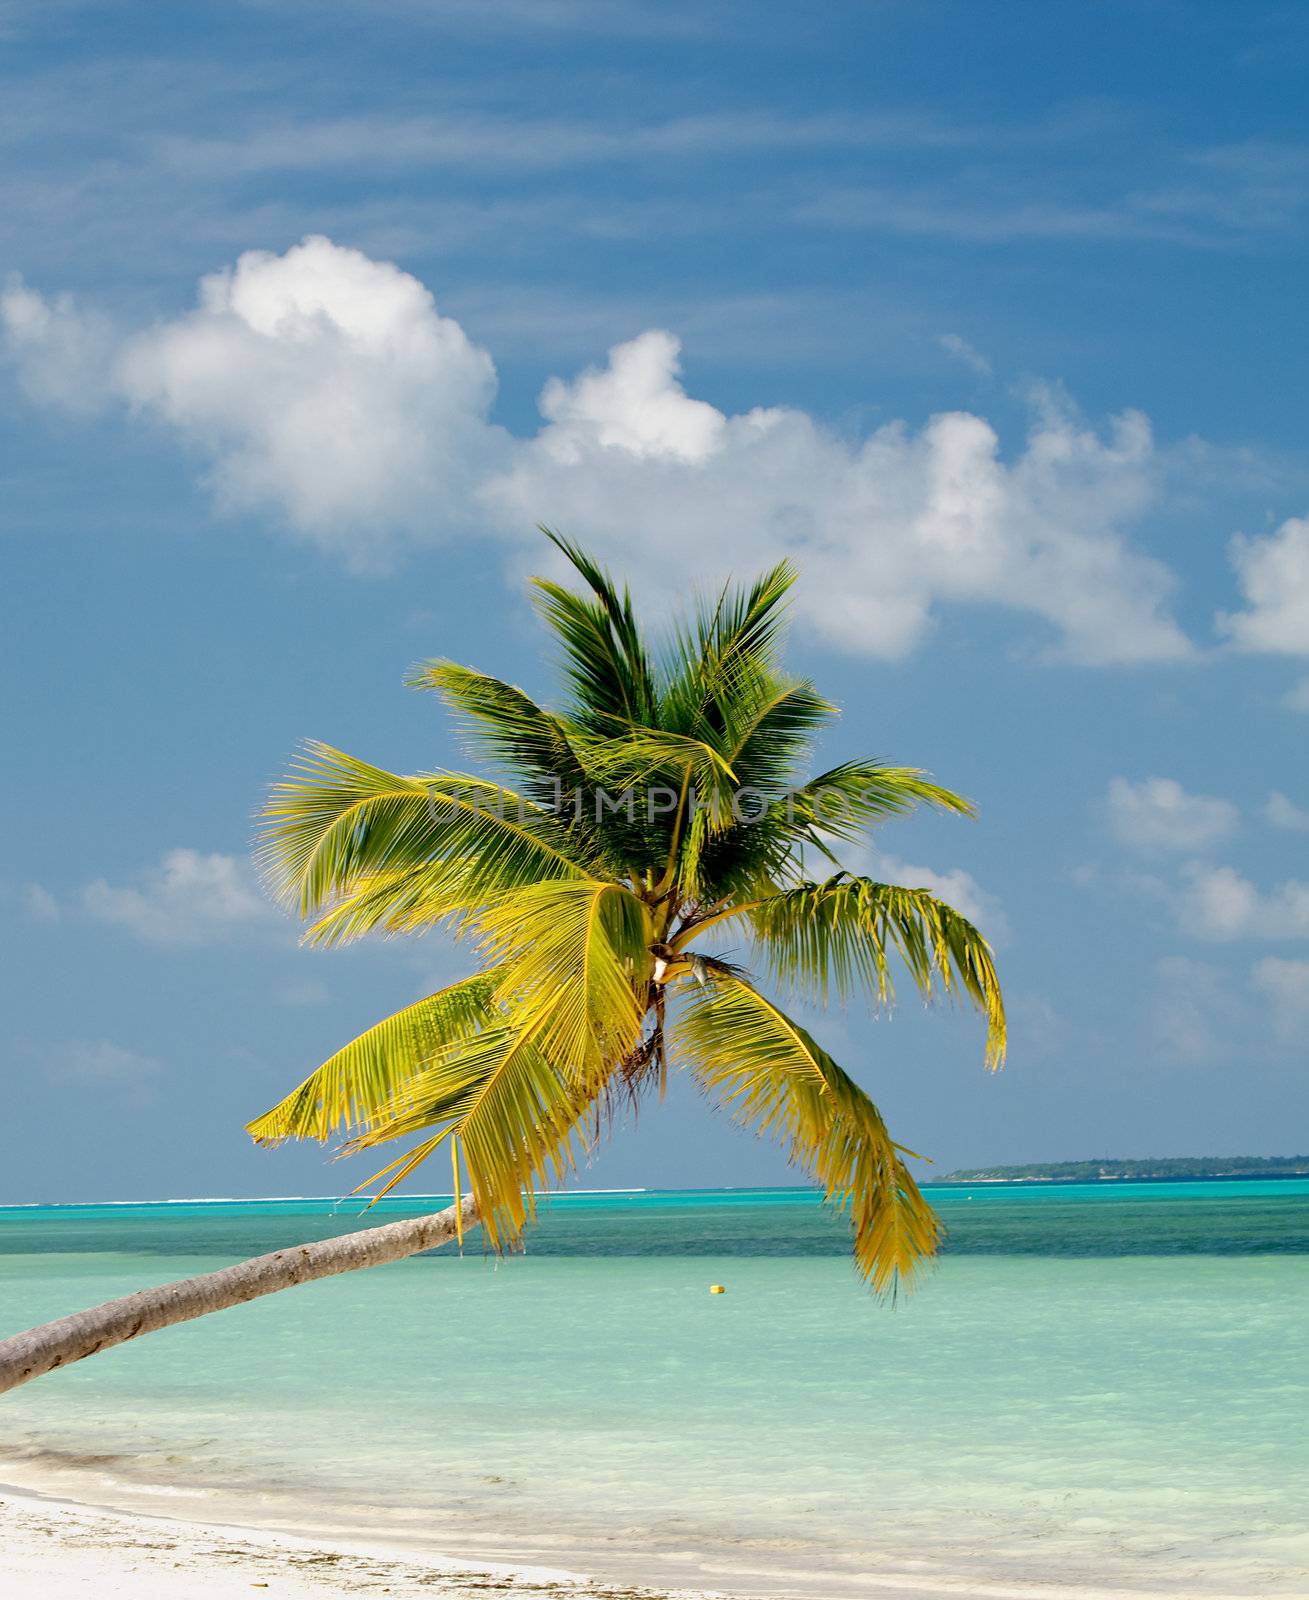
<point>57,1344</point>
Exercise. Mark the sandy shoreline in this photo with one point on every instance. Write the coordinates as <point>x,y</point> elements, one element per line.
<point>57,1550</point>
<point>53,1549</point>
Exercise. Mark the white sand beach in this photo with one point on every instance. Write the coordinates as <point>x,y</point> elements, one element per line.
<point>57,1550</point>
<point>54,1549</point>
<point>63,1549</point>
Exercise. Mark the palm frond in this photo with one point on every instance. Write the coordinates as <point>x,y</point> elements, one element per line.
<point>576,967</point>
<point>351,1087</point>
<point>768,731</point>
<point>647,756</point>
<point>512,1111</point>
<point>774,1079</point>
<point>506,724</point>
<point>842,802</point>
<point>605,656</point>
<point>337,824</point>
<point>734,641</point>
<point>771,731</point>
<point>571,993</point>
<point>840,934</point>
<point>509,1104</point>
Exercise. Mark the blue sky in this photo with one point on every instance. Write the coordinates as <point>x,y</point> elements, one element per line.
<point>992,317</point>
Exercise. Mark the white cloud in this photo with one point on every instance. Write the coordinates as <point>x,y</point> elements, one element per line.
<point>634,405</point>
<point>887,529</point>
<point>1159,814</point>
<point>1283,812</point>
<point>62,354</point>
<point>1296,698</point>
<point>188,899</point>
<point>1286,983</point>
<point>1273,574</point>
<point>1218,903</point>
<point>102,1064</point>
<point>1192,1010</point>
<point>956,345</point>
<point>323,388</point>
<point>41,904</point>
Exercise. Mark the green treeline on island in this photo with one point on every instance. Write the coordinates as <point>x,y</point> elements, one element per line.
<point>1143,1167</point>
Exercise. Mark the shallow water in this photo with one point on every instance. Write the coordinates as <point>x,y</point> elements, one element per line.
<point>1100,1389</point>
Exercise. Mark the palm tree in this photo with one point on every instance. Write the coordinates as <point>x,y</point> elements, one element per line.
<point>663,810</point>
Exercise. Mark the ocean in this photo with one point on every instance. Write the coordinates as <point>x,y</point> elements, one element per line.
<point>1100,1390</point>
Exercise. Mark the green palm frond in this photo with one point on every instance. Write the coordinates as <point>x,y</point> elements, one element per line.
<point>648,756</point>
<point>772,730</point>
<point>841,933</point>
<point>733,643</point>
<point>351,1087</point>
<point>337,824</point>
<point>506,724</point>
<point>585,893</point>
<point>844,801</point>
<point>769,730</point>
<point>751,1058</point>
<point>605,657</point>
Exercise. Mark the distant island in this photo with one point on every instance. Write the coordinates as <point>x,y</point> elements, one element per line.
<point>1143,1167</point>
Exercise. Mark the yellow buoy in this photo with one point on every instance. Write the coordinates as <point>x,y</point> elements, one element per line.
<point>717,1288</point>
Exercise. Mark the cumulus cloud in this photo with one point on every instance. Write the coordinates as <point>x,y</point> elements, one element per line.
<point>188,899</point>
<point>887,528</point>
<point>634,405</point>
<point>1273,574</point>
<point>327,387</point>
<point>1286,984</point>
<point>1219,903</point>
<point>1159,814</point>
<point>1283,812</point>
<point>62,354</point>
<point>324,389</point>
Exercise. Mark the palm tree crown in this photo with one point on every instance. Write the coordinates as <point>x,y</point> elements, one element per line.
<point>665,801</point>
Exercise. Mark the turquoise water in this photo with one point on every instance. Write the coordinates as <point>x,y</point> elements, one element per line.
<point>1100,1390</point>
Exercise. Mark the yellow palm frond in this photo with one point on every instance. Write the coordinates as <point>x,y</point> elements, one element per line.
<point>513,1112</point>
<point>583,908</point>
<point>338,824</point>
<point>576,967</point>
<point>352,1087</point>
<point>572,968</point>
<point>644,756</point>
<point>758,1063</point>
<point>839,935</point>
